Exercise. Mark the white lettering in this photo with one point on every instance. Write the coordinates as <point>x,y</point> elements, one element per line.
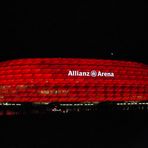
<point>99,73</point>
<point>70,73</point>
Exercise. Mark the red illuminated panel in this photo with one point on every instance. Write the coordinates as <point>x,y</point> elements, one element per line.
<point>72,80</point>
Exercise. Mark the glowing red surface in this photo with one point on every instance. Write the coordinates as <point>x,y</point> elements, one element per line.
<point>46,79</point>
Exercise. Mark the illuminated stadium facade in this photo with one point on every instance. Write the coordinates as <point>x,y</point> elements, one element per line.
<point>72,80</point>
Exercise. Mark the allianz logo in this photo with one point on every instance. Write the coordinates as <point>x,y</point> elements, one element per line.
<point>92,73</point>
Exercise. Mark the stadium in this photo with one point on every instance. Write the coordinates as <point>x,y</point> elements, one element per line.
<point>72,84</point>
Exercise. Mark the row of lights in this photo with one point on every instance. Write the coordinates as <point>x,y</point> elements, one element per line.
<point>10,104</point>
<point>133,103</point>
<point>79,104</point>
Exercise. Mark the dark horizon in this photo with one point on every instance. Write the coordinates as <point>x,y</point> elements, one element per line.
<point>114,54</point>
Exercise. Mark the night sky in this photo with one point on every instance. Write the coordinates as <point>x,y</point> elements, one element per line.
<point>104,30</point>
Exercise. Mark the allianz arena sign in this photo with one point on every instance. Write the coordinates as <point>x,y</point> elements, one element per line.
<point>92,73</point>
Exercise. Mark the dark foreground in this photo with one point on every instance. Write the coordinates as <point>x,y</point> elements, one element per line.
<point>85,130</point>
